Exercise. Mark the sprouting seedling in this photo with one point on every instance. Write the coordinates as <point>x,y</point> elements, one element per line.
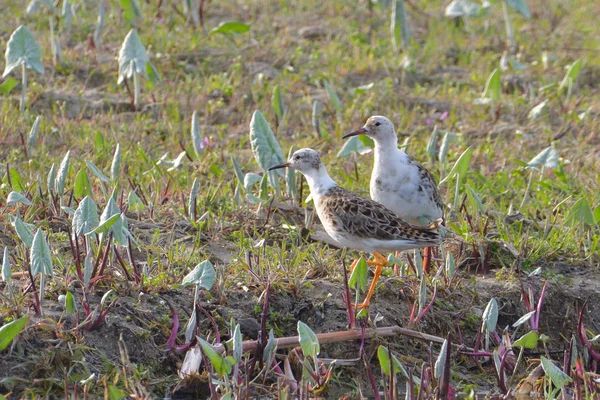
<point>41,262</point>
<point>278,106</point>
<point>545,159</point>
<point>399,26</point>
<point>489,320</point>
<point>266,149</point>
<point>203,276</point>
<point>570,79</point>
<point>492,91</point>
<point>459,171</point>
<point>312,368</point>
<point>6,272</point>
<point>334,99</point>
<point>133,62</point>
<point>23,51</point>
<point>519,5</point>
<point>196,133</point>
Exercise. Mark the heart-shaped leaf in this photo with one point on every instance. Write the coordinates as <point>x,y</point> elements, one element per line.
<point>132,56</point>
<point>85,219</point>
<point>23,49</point>
<point>547,158</point>
<point>41,259</point>
<point>203,275</point>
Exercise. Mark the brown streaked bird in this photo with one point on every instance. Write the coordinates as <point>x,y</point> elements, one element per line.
<point>398,181</point>
<point>357,222</point>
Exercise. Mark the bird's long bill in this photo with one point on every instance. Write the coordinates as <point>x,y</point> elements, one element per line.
<point>284,165</point>
<point>361,131</point>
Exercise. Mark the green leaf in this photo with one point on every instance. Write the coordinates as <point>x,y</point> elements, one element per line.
<point>85,219</point>
<point>270,349</point>
<point>450,265</point>
<point>461,8</point>
<point>354,146</point>
<point>16,197</point>
<point>597,214</point>
<point>210,353</point>
<point>116,163</point>
<point>474,199</point>
<point>61,174</point>
<point>70,306</point>
<point>8,85</point>
<point>39,254</point>
<point>15,180</point>
<point>358,277</point>
<point>23,230</point>
<point>334,99</point>
<point>230,28</point>
<point>23,49</point>
<point>193,198</point>
<point>134,202</point>
<point>461,166</point>
<point>51,179</point>
<point>265,147</point>
<point>492,86</point>
<point>132,13</point>
<point>524,318</point>
<point>203,275</point>
<point>384,360</point>
<point>9,331</point>
<point>528,340</point>
<point>238,171</point>
<point>6,268</point>
<point>190,326</point>
<point>440,363</point>
<point>83,187</point>
<point>556,375</point>
<point>106,223</point>
<point>114,393</point>
<point>96,171</point>
<point>520,6</point>
<point>580,213</point>
<point>399,26</point>
<point>152,74</point>
<point>33,133</point>
<point>308,341</point>
<point>571,75</point>
<point>196,135</point>
<point>490,316</point>
<point>238,351</point>
<point>547,158</point>
<point>538,111</point>
<point>278,105</point>
<point>132,57</point>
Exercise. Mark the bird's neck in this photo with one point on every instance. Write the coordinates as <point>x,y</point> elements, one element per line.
<point>319,182</point>
<point>386,148</point>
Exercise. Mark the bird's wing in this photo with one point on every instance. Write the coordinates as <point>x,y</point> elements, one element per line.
<point>365,218</point>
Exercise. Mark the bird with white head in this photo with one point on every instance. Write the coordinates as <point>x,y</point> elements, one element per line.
<point>357,222</point>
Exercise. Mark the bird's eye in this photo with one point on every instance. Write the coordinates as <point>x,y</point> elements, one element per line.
<point>377,123</point>
<point>296,158</point>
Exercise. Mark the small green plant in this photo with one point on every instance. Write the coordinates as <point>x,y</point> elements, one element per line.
<point>23,51</point>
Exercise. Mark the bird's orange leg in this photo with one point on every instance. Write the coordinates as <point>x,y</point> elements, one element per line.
<point>427,253</point>
<point>379,262</point>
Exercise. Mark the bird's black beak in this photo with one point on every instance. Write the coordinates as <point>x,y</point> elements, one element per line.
<point>284,165</point>
<point>361,131</point>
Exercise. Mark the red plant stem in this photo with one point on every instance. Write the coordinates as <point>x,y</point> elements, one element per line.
<point>371,378</point>
<point>121,263</point>
<point>173,336</point>
<point>36,298</point>
<point>583,336</point>
<point>536,316</point>
<point>212,321</point>
<point>104,257</point>
<point>349,308</point>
